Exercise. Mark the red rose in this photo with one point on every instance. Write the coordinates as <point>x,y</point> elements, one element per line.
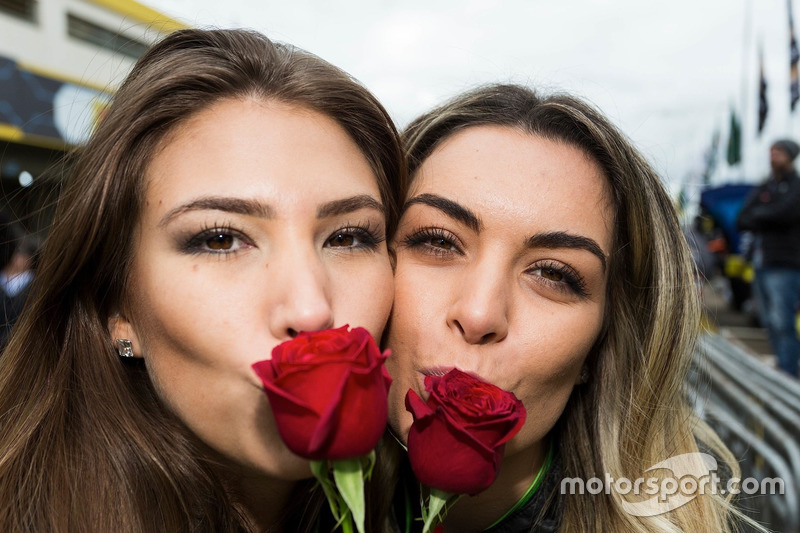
<point>456,441</point>
<point>327,390</point>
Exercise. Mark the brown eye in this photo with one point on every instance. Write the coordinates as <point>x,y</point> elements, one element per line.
<point>559,276</point>
<point>439,242</point>
<point>432,240</point>
<point>341,239</point>
<point>552,274</point>
<point>217,241</point>
<point>353,238</point>
<point>220,242</point>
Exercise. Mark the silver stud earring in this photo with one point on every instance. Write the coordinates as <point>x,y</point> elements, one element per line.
<point>584,377</point>
<point>124,348</point>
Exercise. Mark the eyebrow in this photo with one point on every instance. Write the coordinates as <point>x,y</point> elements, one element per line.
<point>551,240</point>
<point>349,205</point>
<point>221,203</point>
<point>259,209</point>
<point>561,239</point>
<point>449,208</point>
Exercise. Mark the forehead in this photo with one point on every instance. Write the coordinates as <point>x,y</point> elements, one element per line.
<point>256,148</point>
<point>511,177</point>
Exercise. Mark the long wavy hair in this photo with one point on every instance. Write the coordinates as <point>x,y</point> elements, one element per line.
<point>633,412</point>
<point>85,443</point>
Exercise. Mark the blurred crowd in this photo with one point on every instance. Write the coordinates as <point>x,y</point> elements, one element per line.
<point>750,235</point>
<point>18,254</point>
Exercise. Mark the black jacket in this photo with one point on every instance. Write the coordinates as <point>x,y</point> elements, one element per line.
<point>772,212</point>
<point>542,513</point>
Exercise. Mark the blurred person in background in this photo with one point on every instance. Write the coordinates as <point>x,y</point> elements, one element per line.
<point>16,255</point>
<point>772,214</point>
<point>15,281</point>
<point>698,238</point>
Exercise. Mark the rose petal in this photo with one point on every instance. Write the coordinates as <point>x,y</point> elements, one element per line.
<point>458,436</point>
<point>328,392</point>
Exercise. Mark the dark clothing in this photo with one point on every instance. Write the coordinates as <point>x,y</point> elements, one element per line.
<point>541,514</point>
<point>772,212</point>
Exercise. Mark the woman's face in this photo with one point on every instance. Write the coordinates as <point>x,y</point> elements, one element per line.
<point>502,258</point>
<point>260,220</point>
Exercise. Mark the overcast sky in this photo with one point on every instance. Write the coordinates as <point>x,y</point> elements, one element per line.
<point>666,72</point>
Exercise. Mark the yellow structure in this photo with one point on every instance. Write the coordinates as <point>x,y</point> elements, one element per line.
<point>60,63</point>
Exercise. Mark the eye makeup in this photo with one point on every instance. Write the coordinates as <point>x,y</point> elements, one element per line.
<point>434,241</point>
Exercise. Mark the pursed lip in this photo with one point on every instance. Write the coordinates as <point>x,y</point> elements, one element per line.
<point>442,370</point>
<point>436,370</point>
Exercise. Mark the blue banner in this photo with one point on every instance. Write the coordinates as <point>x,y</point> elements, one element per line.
<point>36,107</point>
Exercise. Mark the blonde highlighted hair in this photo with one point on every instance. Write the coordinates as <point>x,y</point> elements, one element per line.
<point>633,413</point>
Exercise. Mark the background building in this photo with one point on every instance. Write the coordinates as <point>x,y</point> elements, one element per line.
<point>60,62</point>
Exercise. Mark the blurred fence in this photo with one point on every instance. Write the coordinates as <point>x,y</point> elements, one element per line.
<point>756,411</point>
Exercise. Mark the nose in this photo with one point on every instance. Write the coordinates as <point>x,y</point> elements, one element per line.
<point>301,289</point>
<point>479,313</point>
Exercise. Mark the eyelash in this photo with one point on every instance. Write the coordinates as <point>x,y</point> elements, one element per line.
<point>420,239</point>
<point>572,281</point>
<point>197,244</point>
<point>368,236</point>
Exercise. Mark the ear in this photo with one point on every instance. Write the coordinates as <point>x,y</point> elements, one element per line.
<point>120,328</point>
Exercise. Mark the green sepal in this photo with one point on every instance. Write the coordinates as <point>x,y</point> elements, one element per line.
<point>437,501</point>
<point>349,477</point>
<point>370,459</point>
<point>320,471</point>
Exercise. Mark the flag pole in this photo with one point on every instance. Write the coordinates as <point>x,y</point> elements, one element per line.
<point>794,77</point>
<point>763,103</point>
<point>745,94</point>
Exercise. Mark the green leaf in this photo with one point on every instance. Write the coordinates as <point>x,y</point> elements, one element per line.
<point>320,471</point>
<point>349,477</point>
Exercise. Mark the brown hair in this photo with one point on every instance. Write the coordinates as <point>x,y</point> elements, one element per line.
<point>84,441</point>
<point>632,414</point>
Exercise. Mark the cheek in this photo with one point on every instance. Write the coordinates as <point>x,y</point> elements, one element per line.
<point>189,311</point>
<point>416,314</point>
<point>400,365</point>
<point>171,338</point>
<point>362,295</point>
<point>197,325</point>
<point>550,373</point>
<point>417,322</point>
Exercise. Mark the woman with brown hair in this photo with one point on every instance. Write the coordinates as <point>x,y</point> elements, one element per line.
<point>236,191</point>
<point>539,251</point>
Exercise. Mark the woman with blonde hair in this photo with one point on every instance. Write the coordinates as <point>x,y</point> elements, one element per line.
<point>539,251</point>
<point>236,192</point>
